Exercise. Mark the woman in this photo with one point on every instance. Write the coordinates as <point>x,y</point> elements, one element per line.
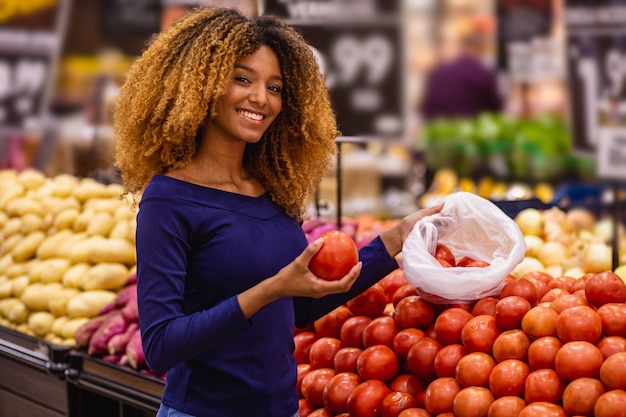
<point>223,127</point>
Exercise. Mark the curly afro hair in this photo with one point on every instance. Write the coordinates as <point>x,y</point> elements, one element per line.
<point>171,91</point>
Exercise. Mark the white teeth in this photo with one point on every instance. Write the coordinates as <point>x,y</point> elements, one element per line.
<point>250,115</point>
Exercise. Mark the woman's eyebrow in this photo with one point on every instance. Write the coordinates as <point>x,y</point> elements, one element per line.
<point>249,69</point>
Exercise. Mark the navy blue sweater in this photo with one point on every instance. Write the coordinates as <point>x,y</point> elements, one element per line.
<point>197,248</point>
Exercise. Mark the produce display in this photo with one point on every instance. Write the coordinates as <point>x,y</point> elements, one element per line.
<point>551,343</point>
<point>66,250</point>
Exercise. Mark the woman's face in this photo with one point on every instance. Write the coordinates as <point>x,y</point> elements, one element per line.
<point>252,100</point>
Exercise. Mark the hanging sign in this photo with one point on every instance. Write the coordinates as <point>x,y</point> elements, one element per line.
<point>358,45</point>
<point>596,63</point>
<point>31,33</point>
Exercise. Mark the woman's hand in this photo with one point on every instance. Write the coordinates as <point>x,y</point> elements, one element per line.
<point>295,280</point>
<point>394,237</point>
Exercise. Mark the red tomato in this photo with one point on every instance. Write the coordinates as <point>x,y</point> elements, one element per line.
<point>613,316</point>
<point>447,358</point>
<point>414,311</point>
<point>578,359</point>
<point>473,369</point>
<point>472,402</point>
<point>408,383</point>
<point>322,353</point>
<point>403,291</point>
<point>540,280</point>
<point>443,252</point>
<point>543,385</point>
<point>440,395</point>
<point>465,260</point>
<point>303,368</point>
<point>345,359</point>
<point>444,263</point>
<point>371,302</point>
<point>395,402</point>
<point>542,351</point>
<point>449,323</point>
<point>336,257</point>
<point>564,282</point>
<point>611,344</point>
<point>611,404</point>
<point>421,357</point>
<point>479,333</point>
<point>313,385</point>
<point>605,287</point>
<point>367,398</point>
<point>552,294</point>
<point>511,344</point>
<point>507,406</point>
<point>508,378</point>
<point>392,281</point>
<point>510,310</point>
<point>579,323</point>
<point>540,321</point>
<point>477,264</point>
<point>305,408</point>
<point>580,395</point>
<point>542,409</point>
<point>380,331</point>
<point>330,324</point>
<point>303,342</point>
<point>378,362</point>
<point>522,288</point>
<point>321,412</point>
<point>414,412</point>
<point>613,371</point>
<point>404,339</point>
<point>336,392</point>
<point>564,301</point>
<point>486,305</point>
<point>351,333</point>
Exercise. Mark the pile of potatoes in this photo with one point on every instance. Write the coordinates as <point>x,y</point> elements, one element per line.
<point>67,247</point>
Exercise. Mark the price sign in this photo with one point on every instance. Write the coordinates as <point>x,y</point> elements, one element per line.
<point>30,40</point>
<point>358,47</point>
<point>596,59</point>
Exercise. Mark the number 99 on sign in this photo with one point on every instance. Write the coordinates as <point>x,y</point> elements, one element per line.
<point>351,59</point>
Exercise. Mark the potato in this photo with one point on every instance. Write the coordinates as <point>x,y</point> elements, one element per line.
<point>71,326</point>
<point>20,206</point>
<point>83,220</point>
<point>47,248</point>
<point>32,222</point>
<point>89,303</point>
<point>35,270</point>
<point>23,328</point>
<point>57,325</point>
<point>66,245</point>
<point>55,269</point>
<point>66,218</point>
<point>55,205</point>
<point>31,178</point>
<point>113,250</point>
<point>6,261</point>
<point>18,313</point>
<point>88,189</point>
<point>9,243</point>
<point>17,268</point>
<point>79,253</point>
<point>6,304</point>
<point>19,284</point>
<point>73,277</point>
<point>101,224</point>
<point>12,226</point>
<point>40,322</point>
<point>26,248</point>
<point>9,193</point>
<point>6,287</point>
<point>37,296</point>
<point>3,219</point>
<point>58,305</point>
<point>115,190</point>
<point>102,204</point>
<point>120,229</point>
<point>105,276</point>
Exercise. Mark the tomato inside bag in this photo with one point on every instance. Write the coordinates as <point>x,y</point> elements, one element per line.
<point>470,226</point>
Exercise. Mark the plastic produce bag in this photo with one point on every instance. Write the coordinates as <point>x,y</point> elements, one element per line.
<point>471,226</point>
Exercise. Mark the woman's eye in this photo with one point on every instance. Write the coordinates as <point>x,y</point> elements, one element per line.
<point>242,79</point>
<point>275,88</point>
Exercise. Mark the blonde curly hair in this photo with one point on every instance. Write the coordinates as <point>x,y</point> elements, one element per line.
<point>171,91</point>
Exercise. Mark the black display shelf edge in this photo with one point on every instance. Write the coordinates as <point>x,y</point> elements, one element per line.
<point>123,384</point>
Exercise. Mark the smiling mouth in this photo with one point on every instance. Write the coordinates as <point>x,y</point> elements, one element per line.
<point>254,116</point>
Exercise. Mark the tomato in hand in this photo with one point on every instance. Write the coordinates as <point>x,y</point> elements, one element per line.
<point>336,257</point>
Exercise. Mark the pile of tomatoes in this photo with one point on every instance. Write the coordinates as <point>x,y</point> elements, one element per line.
<point>544,346</point>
